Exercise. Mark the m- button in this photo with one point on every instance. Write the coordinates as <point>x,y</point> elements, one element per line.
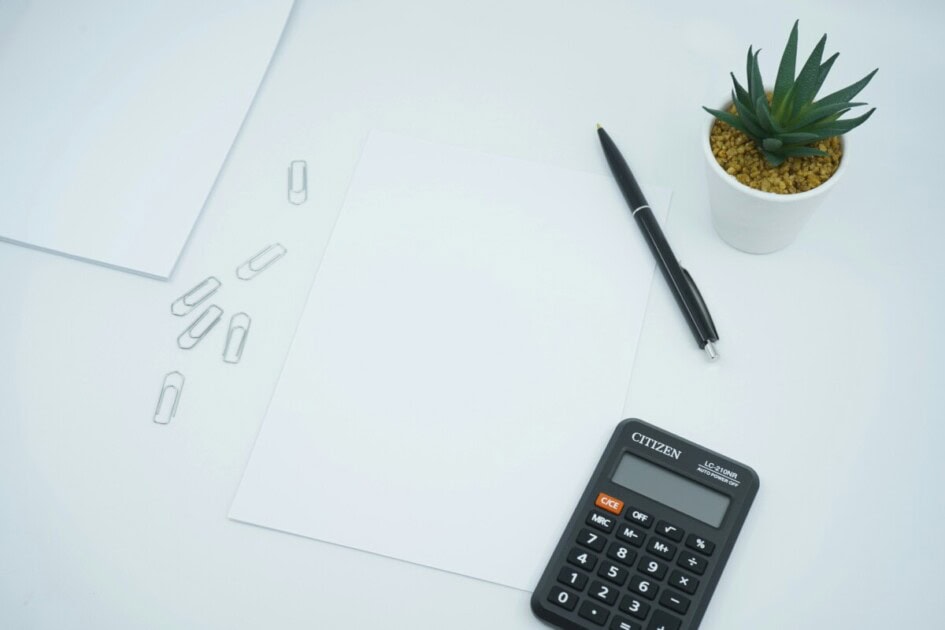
<point>607,502</point>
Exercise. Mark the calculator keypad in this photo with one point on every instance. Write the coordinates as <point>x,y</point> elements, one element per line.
<point>647,578</point>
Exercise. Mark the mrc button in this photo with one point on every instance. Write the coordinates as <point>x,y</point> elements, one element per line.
<point>606,502</point>
<point>601,521</point>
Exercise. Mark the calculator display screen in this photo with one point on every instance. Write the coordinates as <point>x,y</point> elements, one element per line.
<point>671,489</point>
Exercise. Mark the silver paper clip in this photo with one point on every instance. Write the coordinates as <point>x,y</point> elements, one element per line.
<point>199,329</point>
<point>236,337</point>
<point>169,397</point>
<point>260,262</point>
<point>193,298</point>
<point>298,182</point>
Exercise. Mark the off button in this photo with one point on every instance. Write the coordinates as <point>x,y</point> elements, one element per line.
<point>607,502</point>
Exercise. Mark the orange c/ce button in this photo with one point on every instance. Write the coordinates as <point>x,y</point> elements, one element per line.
<point>607,502</point>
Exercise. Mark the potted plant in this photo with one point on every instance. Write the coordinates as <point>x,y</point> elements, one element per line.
<point>772,155</point>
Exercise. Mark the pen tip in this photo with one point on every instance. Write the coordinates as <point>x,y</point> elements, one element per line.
<point>598,126</point>
<point>711,351</point>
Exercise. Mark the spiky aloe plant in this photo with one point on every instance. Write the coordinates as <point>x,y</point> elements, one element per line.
<point>792,120</point>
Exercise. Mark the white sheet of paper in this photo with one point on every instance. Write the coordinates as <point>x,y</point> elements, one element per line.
<point>116,118</point>
<point>463,358</point>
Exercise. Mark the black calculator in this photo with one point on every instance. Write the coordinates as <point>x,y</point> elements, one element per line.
<point>649,539</point>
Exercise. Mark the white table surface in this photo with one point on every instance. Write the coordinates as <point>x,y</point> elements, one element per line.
<point>830,383</point>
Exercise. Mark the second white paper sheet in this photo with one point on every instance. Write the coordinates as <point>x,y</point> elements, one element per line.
<point>463,358</point>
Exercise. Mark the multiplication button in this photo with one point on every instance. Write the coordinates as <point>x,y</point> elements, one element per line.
<point>685,583</point>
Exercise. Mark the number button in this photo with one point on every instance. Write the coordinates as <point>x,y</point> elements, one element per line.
<point>581,558</point>
<point>638,516</point>
<point>621,623</point>
<point>606,594</point>
<point>663,621</point>
<point>692,562</point>
<point>613,573</point>
<point>675,602</point>
<point>700,544</point>
<point>593,613</point>
<point>601,522</point>
<point>561,597</point>
<point>572,578</point>
<point>631,534</point>
<point>670,531</point>
<point>661,548</point>
<point>685,583</point>
<point>621,553</point>
<point>634,606</point>
<point>652,567</point>
<point>591,540</point>
<point>644,586</point>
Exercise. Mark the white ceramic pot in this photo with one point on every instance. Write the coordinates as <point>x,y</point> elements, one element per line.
<point>754,221</point>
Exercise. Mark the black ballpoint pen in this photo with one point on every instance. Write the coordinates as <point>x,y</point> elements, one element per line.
<point>684,289</point>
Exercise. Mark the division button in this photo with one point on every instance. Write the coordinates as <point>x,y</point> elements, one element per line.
<point>561,597</point>
<point>595,613</point>
<point>700,544</point>
<point>692,562</point>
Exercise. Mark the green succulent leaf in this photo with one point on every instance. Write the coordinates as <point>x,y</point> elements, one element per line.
<point>771,144</point>
<point>798,137</point>
<point>840,127</point>
<point>824,71</point>
<point>764,116</point>
<point>773,158</point>
<point>845,94</point>
<point>741,94</point>
<point>756,86</point>
<point>782,85</point>
<point>801,152</point>
<point>820,112</point>
<point>728,118</point>
<point>806,85</point>
<point>748,119</point>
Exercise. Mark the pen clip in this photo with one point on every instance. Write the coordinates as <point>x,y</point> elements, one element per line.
<point>712,334</point>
